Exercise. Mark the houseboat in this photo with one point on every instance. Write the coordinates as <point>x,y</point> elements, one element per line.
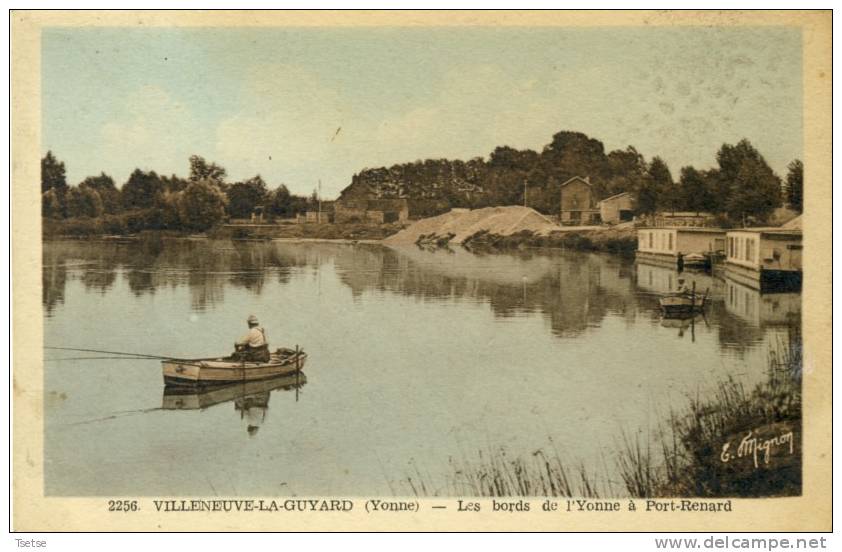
<point>663,245</point>
<point>766,259</point>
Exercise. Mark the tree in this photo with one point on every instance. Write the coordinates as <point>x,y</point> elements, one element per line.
<point>200,169</point>
<point>696,190</point>
<point>745,185</point>
<point>795,185</point>
<point>141,190</point>
<point>51,204</point>
<point>108,193</point>
<point>52,174</point>
<point>656,189</point>
<point>83,202</point>
<point>575,154</point>
<point>627,172</point>
<point>201,205</point>
<point>174,183</point>
<point>280,202</point>
<point>757,194</point>
<point>243,197</point>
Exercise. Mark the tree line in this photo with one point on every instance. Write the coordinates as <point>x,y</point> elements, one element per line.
<point>742,187</point>
<point>149,201</point>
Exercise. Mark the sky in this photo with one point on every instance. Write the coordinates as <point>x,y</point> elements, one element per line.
<point>299,105</point>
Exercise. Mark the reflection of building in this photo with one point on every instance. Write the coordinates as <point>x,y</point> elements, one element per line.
<point>664,244</point>
<point>617,208</point>
<point>760,309</point>
<point>660,279</point>
<point>765,258</point>
<point>578,204</point>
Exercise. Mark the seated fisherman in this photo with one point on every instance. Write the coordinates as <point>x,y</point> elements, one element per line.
<point>253,346</point>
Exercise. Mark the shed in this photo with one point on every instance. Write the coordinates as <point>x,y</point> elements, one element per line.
<point>617,208</point>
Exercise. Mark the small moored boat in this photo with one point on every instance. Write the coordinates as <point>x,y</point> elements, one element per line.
<point>224,370</point>
<point>696,260</point>
<point>686,304</point>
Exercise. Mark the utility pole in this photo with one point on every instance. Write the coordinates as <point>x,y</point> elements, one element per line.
<point>319,197</point>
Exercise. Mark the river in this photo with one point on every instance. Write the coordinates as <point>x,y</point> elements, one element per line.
<point>416,358</point>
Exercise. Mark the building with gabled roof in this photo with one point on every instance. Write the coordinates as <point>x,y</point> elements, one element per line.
<point>578,203</point>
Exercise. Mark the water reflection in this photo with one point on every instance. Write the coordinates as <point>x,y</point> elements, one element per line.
<point>432,352</point>
<point>574,292</point>
<point>251,399</point>
<point>761,309</point>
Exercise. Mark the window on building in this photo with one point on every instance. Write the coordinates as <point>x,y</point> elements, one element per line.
<point>750,249</point>
<point>650,240</point>
<point>670,242</point>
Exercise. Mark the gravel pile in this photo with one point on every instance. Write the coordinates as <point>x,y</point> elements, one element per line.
<point>464,223</point>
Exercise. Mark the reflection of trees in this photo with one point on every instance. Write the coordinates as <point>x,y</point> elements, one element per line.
<point>205,266</point>
<point>99,279</point>
<point>53,281</point>
<point>573,290</point>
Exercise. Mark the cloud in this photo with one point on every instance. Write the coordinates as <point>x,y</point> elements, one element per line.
<point>287,120</point>
<point>140,136</point>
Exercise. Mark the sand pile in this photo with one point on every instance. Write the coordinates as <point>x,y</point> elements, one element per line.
<point>464,223</point>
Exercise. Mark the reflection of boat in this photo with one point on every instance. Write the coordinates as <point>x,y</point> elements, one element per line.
<point>679,305</point>
<point>251,399</point>
<point>681,323</point>
<point>187,398</point>
<point>192,398</point>
<point>218,371</point>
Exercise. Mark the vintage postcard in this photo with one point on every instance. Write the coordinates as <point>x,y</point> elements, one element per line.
<point>521,271</point>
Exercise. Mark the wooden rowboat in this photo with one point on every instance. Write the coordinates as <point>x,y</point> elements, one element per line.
<point>221,371</point>
<point>680,305</point>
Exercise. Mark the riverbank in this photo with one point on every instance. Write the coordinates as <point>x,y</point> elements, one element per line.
<point>496,228</point>
<point>102,229</point>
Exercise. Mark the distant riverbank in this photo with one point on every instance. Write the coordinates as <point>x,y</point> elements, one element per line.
<point>94,228</point>
<point>608,239</point>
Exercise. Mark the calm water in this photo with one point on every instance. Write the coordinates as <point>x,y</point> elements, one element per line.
<point>414,357</point>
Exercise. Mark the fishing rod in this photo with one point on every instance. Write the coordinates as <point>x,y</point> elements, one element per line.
<point>92,358</point>
<point>121,353</point>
